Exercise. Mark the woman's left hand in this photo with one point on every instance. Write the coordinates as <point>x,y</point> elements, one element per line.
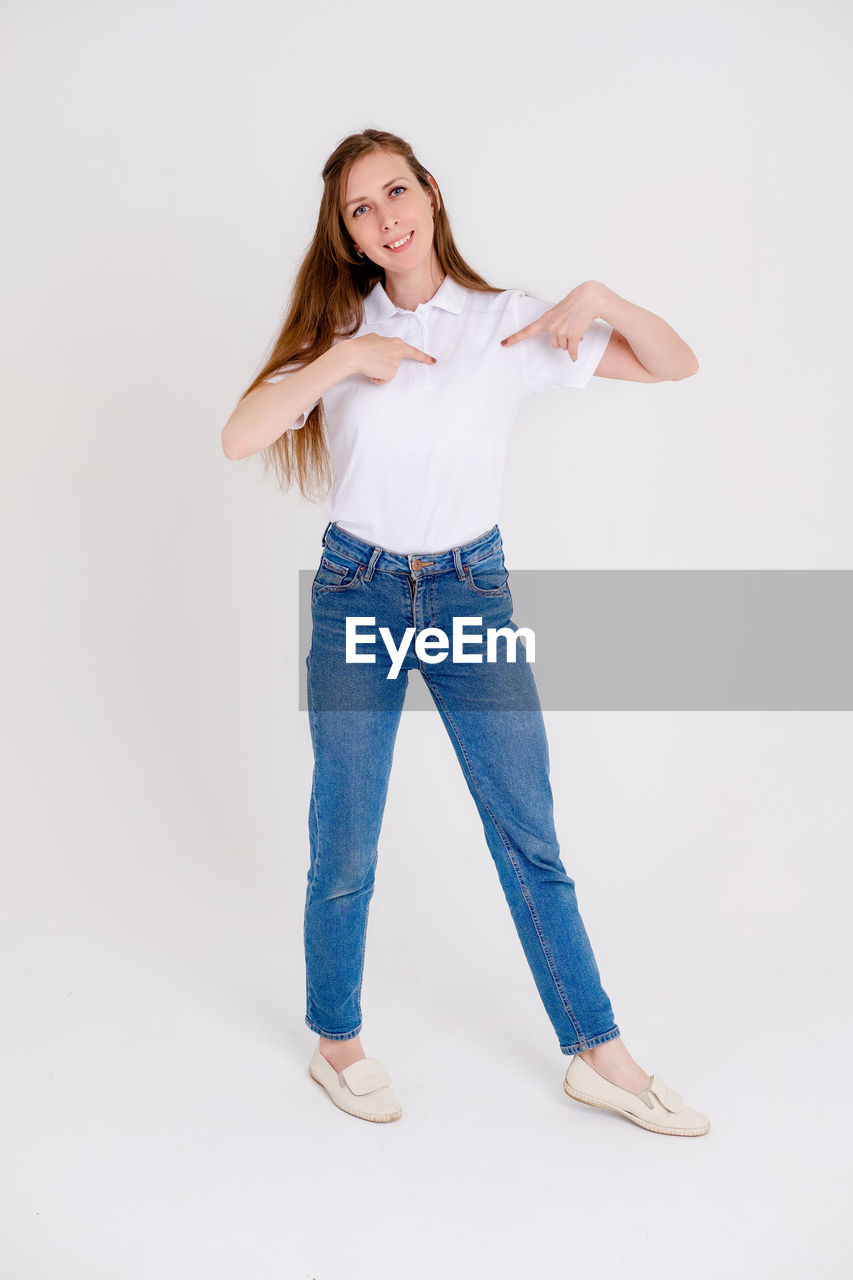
<point>568,320</point>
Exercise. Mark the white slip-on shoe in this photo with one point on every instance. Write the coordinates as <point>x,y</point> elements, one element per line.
<point>658,1108</point>
<point>363,1088</point>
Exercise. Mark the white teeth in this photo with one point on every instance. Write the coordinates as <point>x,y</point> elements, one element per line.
<point>397,243</point>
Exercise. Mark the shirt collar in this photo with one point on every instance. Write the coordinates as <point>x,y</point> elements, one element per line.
<point>450,296</point>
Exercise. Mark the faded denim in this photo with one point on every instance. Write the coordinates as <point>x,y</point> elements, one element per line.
<point>492,713</point>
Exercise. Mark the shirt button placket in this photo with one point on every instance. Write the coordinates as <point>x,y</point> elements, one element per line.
<point>420,367</point>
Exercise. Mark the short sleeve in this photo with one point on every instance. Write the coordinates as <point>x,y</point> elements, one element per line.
<point>279,376</point>
<point>544,366</point>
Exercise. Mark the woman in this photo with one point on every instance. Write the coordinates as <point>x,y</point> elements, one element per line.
<point>417,366</point>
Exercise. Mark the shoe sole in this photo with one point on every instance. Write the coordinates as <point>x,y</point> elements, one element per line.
<point>645,1124</point>
<point>352,1111</point>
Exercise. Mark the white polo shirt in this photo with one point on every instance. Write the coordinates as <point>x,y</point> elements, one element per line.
<point>419,460</point>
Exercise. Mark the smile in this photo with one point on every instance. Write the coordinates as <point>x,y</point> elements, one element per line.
<point>398,245</point>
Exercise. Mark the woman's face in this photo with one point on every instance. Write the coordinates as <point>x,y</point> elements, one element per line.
<point>384,203</point>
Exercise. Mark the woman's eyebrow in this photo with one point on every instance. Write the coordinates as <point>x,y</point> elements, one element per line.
<point>361,199</point>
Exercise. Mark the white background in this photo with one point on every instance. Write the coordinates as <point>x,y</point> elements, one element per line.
<point>162,183</point>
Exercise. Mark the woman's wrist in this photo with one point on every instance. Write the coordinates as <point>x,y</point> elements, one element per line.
<point>341,358</point>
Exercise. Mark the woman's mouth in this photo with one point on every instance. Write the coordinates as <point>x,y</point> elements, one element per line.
<point>400,247</point>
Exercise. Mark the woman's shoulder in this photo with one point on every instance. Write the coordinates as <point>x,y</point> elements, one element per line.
<point>486,300</point>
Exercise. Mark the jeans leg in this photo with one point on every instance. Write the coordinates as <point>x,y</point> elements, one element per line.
<point>503,750</point>
<point>353,751</point>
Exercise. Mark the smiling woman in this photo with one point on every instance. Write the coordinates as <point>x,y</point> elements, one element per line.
<point>399,371</point>
<point>376,193</point>
<point>406,315</point>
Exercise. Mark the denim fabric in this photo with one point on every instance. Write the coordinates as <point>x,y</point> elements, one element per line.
<point>492,713</point>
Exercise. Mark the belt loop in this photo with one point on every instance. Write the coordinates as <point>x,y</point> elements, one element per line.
<point>371,564</point>
<point>325,531</point>
<point>457,561</point>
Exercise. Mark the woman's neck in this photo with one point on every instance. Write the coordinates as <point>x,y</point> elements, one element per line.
<point>408,289</point>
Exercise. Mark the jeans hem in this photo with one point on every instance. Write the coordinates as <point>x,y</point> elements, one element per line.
<point>332,1035</point>
<point>590,1041</point>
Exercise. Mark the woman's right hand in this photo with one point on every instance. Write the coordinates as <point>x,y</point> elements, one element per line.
<point>379,358</point>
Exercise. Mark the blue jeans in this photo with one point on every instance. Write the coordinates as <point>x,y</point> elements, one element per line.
<point>492,713</point>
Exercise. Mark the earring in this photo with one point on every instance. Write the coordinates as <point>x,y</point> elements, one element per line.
<point>358,251</point>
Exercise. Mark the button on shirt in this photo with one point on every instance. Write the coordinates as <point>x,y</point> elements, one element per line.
<point>419,460</point>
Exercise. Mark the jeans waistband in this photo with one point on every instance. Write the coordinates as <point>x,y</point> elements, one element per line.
<point>420,565</point>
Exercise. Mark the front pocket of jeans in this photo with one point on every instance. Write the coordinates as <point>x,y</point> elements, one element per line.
<point>336,575</point>
<point>488,577</point>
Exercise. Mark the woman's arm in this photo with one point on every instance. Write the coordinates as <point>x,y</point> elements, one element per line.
<point>656,345</point>
<point>642,346</point>
<point>271,408</point>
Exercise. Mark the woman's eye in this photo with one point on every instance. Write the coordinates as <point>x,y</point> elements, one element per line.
<point>364,206</point>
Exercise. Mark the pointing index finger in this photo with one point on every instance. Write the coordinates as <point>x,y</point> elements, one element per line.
<point>414,353</point>
<point>527,332</point>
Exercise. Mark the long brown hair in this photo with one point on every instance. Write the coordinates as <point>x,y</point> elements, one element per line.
<point>327,301</point>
